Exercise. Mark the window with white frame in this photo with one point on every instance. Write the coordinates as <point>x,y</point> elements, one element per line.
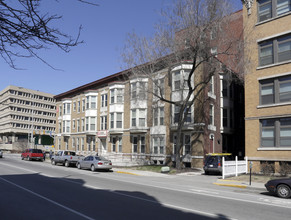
<point>79,106</point>
<point>120,144</point>
<point>177,80</point>
<point>82,144</point>
<point>158,116</point>
<point>78,144</point>
<point>104,100</point>
<point>78,125</point>
<point>158,145</point>
<point>83,124</point>
<point>74,106</point>
<point>159,87</point>
<point>142,118</point>
<point>92,123</point>
<point>138,90</point>
<point>118,120</point>
<point>185,141</point>
<point>211,85</point>
<point>116,95</point>
<point>83,105</point>
<point>67,108</point>
<point>111,120</point>
<point>91,102</point>
<point>103,124</point>
<point>113,144</point>
<point>133,117</point>
<point>74,124</point>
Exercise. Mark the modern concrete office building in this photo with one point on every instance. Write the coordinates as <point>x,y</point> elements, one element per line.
<point>27,118</point>
<point>267,37</point>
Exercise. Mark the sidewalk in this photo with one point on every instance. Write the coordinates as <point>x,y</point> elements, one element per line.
<point>239,184</point>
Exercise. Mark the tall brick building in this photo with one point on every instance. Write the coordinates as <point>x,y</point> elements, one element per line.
<point>267,36</point>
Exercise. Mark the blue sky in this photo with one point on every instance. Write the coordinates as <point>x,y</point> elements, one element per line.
<point>104,32</point>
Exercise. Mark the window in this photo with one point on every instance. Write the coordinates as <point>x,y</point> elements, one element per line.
<point>118,120</point>
<point>92,123</point>
<point>187,144</point>
<point>162,115</point>
<point>159,87</point>
<point>104,100</point>
<point>112,120</point>
<point>276,90</point>
<point>112,96</point>
<point>87,123</point>
<point>177,114</point>
<point>67,108</point>
<point>133,117</point>
<point>74,106</point>
<point>133,90</point>
<point>78,144</point>
<point>114,144</point>
<point>82,144</point>
<point>211,114</point>
<point>276,132</point>
<point>134,144</point>
<point>224,117</point>
<point>74,124</point>
<point>119,96</point>
<point>79,106</point>
<point>141,118</point>
<point>103,123</point>
<point>116,96</point>
<point>78,125</point>
<point>142,144</point>
<point>120,144</point>
<point>211,85</point>
<point>93,102</point>
<point>83,124</point>
<point>83,105</point>
<point>272,8</point>
<point>156,118</point>
<point>177,80</point>
<point>158,145</point>
<point>275,50</point>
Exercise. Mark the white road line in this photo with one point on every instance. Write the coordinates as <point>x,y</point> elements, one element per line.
<point>49,200</point>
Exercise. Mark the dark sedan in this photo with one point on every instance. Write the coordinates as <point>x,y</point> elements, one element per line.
<point>280,187</point>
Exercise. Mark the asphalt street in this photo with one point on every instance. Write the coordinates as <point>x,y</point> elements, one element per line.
<point>37,190</point>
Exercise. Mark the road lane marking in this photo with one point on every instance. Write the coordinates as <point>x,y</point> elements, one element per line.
<point>49,200</point>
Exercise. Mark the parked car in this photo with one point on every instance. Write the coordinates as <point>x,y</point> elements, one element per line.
<point>280,187</point>
<point>94,163</point>
<point>1,154</point>
<point>65,157</point>
<point>213,162</point>
<point>32,154</point>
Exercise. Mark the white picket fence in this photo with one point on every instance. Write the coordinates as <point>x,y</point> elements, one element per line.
<point>234,167</point>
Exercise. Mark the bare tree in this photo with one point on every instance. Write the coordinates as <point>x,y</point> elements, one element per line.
<point>188,33</point>
<point>24,30</point>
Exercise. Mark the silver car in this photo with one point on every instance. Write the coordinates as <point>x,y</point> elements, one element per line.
<point>1,154</point>
<point>94,163</point>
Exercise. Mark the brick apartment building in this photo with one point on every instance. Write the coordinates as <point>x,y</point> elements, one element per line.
<point>119,117</point>
<point>267,36</point>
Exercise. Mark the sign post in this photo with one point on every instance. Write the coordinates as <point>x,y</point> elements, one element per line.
<point>251,166</point>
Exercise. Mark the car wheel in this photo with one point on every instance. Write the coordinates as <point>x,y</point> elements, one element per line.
<point>53,162</point>
<point>67,164</point>
<point>92,168</point>
<point>78,165</point>
<point>283,191</point>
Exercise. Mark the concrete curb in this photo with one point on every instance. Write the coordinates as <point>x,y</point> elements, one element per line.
<point>127,173</point>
